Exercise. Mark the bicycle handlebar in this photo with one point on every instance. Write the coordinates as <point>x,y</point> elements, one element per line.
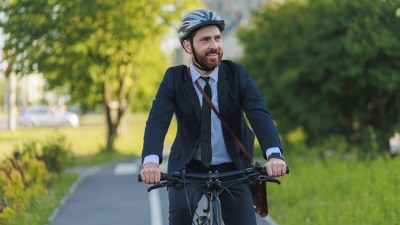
<point>214,175</point>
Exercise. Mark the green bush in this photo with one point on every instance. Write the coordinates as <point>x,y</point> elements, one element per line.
<point>28,173</point>
<point>21,178</point>
<point>55,152</point>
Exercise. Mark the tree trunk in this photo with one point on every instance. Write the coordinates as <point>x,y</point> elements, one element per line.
<point>115,106</point>
<point>111,127</point>
<point>114,113</point>
<point>112,134</point>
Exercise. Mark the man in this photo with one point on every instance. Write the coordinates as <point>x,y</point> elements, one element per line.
<point>202,144</point>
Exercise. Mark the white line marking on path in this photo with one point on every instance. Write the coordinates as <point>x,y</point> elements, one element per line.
<point>154,196</point>
<point>155,208</point>
<point>126,169</point>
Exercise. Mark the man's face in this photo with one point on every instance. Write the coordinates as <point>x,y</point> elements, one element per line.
<point>207,43</point>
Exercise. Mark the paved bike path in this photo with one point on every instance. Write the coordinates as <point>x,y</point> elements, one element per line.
<point>103,197</point>
<point>111,195</point>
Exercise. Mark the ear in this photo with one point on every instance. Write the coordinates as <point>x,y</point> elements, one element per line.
<point>187,47</point>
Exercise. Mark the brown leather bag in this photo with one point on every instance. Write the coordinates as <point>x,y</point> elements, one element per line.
<point>258,190</point>
<point>260,202</point>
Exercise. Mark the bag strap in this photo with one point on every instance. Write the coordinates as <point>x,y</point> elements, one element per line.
<point>225,124</point>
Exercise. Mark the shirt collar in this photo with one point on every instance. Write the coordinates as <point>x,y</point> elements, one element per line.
<point>196,75</point>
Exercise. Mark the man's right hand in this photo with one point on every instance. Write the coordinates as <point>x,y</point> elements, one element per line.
<point>151,173</point>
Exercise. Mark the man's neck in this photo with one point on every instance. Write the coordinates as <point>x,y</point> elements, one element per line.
<point>205,73</point>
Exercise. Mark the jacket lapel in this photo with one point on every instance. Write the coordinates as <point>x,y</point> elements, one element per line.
<point>191,94</point>
<point>223,88</point>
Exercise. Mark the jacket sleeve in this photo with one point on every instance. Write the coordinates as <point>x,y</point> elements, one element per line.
<point>256,112</point>
<point>160,116</point>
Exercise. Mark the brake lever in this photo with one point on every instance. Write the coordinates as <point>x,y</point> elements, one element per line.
<point>155,186</point>
<point>269,179</point>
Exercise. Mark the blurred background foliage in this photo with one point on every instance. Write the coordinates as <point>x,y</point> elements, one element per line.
<point>329,69</point>
<point>101,52</point>
<point>91,45</point>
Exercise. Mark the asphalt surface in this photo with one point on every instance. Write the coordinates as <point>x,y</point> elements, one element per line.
<point>111,195</point>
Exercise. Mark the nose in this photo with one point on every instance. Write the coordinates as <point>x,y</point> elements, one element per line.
<point>213,44</point>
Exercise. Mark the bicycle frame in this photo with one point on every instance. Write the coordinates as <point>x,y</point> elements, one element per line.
<point>213,210</point>
<point>213,214</point>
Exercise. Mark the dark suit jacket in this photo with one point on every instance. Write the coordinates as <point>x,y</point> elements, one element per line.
<point>237,94</point>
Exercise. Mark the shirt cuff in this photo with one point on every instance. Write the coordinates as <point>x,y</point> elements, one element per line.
<point>273,150</point>
<point>151,159</point>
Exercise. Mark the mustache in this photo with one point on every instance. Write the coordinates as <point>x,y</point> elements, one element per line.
<point>214,51</point>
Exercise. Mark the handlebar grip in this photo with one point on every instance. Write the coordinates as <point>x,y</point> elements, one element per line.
<point>164,176</point>
<point>264,171</point>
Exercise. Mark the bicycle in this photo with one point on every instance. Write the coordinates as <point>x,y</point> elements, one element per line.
<point>214,183</point>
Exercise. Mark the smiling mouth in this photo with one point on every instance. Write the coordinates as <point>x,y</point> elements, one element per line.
<point>212,54</point>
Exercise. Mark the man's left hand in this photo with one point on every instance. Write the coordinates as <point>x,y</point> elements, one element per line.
<point>275,167</point>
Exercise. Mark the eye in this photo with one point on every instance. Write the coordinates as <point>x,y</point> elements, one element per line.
<point>206,39</point>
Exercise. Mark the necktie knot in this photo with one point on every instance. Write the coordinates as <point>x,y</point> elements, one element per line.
<point>207,87</point>
<point>206,79</point>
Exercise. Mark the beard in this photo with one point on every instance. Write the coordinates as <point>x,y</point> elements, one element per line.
<point>209,64</point>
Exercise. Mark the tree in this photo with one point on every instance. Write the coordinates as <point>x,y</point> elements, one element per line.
<point>329,67</point>
<point>98,49</point>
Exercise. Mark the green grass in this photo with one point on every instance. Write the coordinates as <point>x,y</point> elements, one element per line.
<point>89,138</point>
<point>332,191</point>
<point>39,209</point>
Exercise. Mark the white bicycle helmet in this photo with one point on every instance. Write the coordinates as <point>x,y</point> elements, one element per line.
<point>196,19</point>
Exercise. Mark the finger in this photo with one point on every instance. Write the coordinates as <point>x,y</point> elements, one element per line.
<point>144,176</point>
<point>151,178</point>
<point>269,170</point>
<point>274,171</point>
<point>283,166</point>
<point>157,177</point>
<point>148,181</point>
<point>279,171</point>
<point>145,179</point>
